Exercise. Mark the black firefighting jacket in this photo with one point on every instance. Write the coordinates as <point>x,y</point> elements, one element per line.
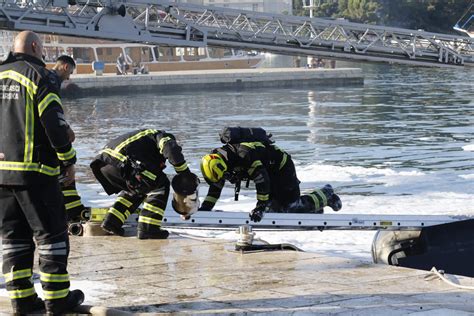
<point>33,131</point>
<point>144,152</point>
<point>256,161</point>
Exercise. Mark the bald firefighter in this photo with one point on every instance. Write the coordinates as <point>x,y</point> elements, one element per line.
<point>132,165</point>
<point>34,146</point>
<point>250,154</point>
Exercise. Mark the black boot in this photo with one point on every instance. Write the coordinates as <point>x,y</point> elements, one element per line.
<point>315,201</point>
<point>160,234</point>
<point>28,305</point>
<point>112,226</point>
<point>334,201</point>
<point>64,305</point>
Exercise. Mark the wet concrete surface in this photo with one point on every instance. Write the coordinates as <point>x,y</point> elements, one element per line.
<point>190,276</point>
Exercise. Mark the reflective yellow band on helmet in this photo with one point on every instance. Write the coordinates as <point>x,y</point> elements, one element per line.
<point>56,278</point>
<point>124,201</point>
<point>255,164</point>
<point>54,295</point>
<point>210,199</point>
<point>29,166</point>
<point>16,294</point>
<point>149,175</point>
<point>67,155</point>
<point>119,215</point>
<point>30,86</point>
<point>253,145</point>
<point>134,138</point>
<point>153,209</point>
<point>283,161</point>
<point>181,167</point>
<point>48,99</point>
<point>70,193</point>
<point>19,274</point>
<point>115,154</point>
<point>73,204</point>
<point>149,220</point>
<point>263,197</point>
<point>162,143</point>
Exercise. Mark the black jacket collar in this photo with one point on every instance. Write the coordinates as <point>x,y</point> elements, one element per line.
<point>13,57</point>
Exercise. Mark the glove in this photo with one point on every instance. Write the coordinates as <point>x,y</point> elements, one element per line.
<point>256,214</point>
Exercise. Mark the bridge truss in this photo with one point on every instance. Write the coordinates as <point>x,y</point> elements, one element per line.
<point>167,23</point>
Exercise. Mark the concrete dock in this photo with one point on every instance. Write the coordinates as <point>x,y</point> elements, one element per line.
<point>191,276</point>
<point>236,79</point>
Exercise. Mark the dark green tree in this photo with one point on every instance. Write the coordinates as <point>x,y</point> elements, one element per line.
<point>429,15</point>
<point>363,11</point>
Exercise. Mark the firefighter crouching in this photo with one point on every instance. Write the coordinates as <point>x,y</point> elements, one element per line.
<point>34,145</point>
<point>132,165</point>
<point>249,154</point>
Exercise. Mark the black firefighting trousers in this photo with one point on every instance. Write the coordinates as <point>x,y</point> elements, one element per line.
<point>28,214</point>
<point>154,201</point>
<point>285,186</point>
<point>285,195</point>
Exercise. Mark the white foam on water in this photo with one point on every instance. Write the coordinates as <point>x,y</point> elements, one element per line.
<point>469,147</point>
<point>467,176</point>
<point>339,175</point>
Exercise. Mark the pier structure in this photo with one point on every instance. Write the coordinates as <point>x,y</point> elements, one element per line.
<point>235,79</point>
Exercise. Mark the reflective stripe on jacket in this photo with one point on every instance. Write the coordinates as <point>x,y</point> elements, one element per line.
<point>149,148</point>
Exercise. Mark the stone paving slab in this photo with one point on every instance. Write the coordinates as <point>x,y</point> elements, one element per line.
<point>189,276</point>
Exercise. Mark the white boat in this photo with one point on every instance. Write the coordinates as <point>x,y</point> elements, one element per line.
<point>150,57</point>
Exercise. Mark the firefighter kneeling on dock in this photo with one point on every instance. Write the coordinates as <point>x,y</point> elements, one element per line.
<point>249,154</point>
<point>132,165</point>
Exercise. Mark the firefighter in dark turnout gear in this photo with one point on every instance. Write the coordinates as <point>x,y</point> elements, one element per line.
<point>75,210</point>
<point>132,165</point>
<point>273,172</point>
<point>33,146</point>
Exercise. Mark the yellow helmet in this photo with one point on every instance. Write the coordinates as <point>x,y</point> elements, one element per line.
<point>213,167</point>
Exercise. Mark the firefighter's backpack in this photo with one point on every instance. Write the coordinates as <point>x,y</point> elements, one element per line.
<point>235,135</point>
